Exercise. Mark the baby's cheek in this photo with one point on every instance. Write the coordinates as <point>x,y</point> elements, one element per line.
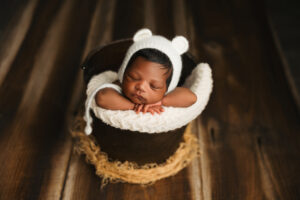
<point>155,98</point>
<point>127,94</point>
<point>125,91</point>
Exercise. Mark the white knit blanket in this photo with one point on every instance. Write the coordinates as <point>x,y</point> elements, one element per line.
<point>200,82</point>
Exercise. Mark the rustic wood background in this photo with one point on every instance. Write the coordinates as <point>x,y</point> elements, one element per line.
<point>248,134</point>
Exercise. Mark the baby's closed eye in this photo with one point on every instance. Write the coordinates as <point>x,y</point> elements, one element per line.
<point>156,87</point>
<point>132,77</point>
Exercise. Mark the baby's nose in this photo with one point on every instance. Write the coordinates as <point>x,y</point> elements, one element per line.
<point>141,86</point>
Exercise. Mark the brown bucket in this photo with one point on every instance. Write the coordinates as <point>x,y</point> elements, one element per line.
<point>125,145</point>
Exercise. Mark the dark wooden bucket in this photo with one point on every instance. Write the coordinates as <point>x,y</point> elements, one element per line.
<point>124,145</point>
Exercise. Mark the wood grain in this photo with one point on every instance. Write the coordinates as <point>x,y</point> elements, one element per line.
<point>244,100</point>
<point>248,134</point>
<point>35,94</point>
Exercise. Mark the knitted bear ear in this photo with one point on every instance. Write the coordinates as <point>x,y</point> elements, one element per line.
<point>142,34</point>
<point>181,44</point>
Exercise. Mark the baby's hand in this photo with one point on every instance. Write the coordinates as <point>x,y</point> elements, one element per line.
<point>152,108</point>
<point>158,104</point>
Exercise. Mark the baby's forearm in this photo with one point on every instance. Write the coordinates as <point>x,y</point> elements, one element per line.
<point>179,97</point>
<point>109,98</point>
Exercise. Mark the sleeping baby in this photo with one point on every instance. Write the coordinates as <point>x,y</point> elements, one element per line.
<point>148,77</point>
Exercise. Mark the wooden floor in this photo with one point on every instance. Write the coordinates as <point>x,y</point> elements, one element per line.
<point>285,20</point>
<point>249,133</point>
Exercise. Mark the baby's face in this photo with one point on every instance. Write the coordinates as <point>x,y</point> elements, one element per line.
<point>144,82</point>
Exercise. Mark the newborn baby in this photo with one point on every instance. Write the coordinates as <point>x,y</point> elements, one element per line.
<point>146,79</point>
<point>146,82</point>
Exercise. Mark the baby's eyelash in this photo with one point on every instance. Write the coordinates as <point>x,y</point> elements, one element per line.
<point>154,87</point>
<point>131,77</point>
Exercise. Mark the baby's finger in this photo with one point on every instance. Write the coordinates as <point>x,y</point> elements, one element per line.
<point>145,108</point>
<point>139,108</point>
<point>134,107</point>
<point>151,111</point>
<point>156,109</point>
<point>161,109</point>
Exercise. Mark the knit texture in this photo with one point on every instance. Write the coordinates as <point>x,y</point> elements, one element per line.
<point>200,82</point>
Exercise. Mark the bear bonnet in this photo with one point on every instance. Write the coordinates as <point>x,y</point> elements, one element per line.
<point>173,49</point>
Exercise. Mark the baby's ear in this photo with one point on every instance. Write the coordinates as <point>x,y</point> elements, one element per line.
<point>181,44</point>
<point>142,34</point>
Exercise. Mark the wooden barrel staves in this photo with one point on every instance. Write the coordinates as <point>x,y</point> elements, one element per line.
<point>126,145</point>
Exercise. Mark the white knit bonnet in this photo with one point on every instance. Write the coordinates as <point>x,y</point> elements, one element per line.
<point>143,39</point>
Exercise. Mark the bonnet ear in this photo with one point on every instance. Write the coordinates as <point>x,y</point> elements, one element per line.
<point>181,44</point>
<point>142,34</point>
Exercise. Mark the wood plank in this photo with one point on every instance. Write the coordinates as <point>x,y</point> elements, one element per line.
<point>35,142</point>
<point>223,140</point>
<point>14,32</point>
<point>245,115</point>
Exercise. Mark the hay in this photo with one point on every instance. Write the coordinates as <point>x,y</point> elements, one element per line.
<point>130,172</point>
